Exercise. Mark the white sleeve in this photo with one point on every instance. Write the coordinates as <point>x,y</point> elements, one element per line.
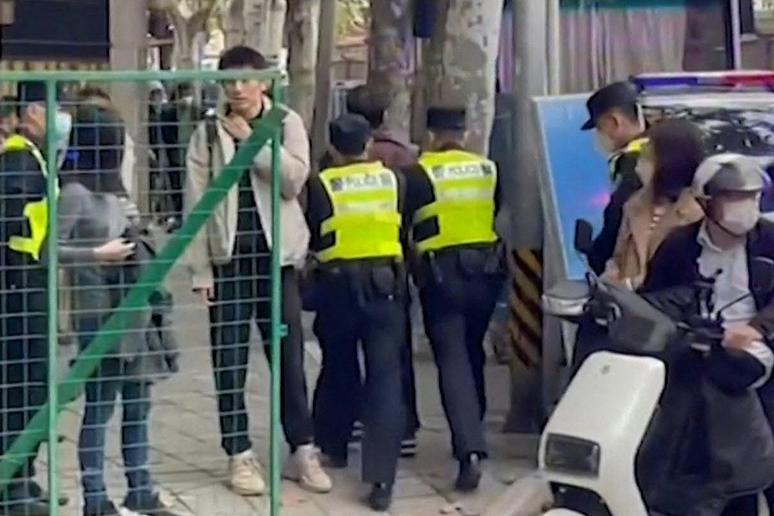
<point>764,355</point>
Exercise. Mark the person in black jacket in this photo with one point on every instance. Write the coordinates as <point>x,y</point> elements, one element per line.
<point>725,246</point>
<point>23,295</point>
<point>614,115</point>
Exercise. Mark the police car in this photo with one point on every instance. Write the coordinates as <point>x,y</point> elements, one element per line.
<point>735,109</point>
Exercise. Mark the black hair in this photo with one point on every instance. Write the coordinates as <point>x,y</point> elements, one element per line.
<point>243,57</point>
<point>96,151</point>
<point>88,92</point>
<point>678,149</point>
<point>362,101</point>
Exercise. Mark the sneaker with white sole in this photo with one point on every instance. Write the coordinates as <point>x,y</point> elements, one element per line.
<point>246,478</point>
<point>304,467</point>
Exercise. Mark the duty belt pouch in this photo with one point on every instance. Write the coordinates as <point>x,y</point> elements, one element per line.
<point>471,262</point>
<point>384,281</point>
<point>495,260</point>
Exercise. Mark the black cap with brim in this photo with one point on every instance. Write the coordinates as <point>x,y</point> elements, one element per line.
<point>616,95</point>
<point>349,134</point>
<point>446,119</point>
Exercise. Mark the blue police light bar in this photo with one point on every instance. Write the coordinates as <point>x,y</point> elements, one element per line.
<point>664,82</point>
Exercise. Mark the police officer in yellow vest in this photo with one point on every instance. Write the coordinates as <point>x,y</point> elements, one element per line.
<point>23,297</point>
<point>354,215</point>
<point>451,202</point>
<point>615,116</point>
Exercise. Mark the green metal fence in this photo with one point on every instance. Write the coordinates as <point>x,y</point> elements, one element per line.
<point>65,389</point>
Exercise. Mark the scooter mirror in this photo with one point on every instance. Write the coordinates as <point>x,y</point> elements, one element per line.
<point>584,236</point>
<point>762,275</point>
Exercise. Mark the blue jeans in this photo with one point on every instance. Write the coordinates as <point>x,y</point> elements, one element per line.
<point>101,394</point>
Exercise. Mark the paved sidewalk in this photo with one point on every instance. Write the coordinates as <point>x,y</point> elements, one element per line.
<point>189,465</point>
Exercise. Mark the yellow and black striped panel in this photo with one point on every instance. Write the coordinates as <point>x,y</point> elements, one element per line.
<point>526,326</point>
<point>9,88</point>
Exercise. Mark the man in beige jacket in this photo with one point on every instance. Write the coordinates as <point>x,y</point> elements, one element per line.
<point>230,266</point>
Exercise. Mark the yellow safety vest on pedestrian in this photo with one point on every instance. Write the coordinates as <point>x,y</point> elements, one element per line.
<point>365,222</point>
<point>36,212</point>
<point>634,147</point>
<point>464,208</point>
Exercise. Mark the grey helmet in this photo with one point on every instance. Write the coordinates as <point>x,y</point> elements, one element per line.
<point>728,172</point>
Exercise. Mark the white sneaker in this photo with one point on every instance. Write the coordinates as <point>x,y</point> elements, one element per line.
<point>246,479</point>
<point>304,467</point>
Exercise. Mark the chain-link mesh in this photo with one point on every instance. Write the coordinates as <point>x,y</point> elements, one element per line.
<point>131,350</point>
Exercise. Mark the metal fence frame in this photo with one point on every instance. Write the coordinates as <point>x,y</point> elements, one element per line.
<point>44,425</point>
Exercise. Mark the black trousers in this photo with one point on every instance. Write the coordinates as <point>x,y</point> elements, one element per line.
<point>243,294</point>
<point>23,370</point>
<point>457,303</point>
<point>374,316</point>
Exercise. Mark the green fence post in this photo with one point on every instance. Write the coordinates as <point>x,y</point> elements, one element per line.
<point>137,297</point>
<point>277,327</point>
<point>52,190</point>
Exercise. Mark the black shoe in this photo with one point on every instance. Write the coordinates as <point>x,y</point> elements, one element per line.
<point>148,505</point>
<point>380,498</point>
<point>103,508</point>
<point>470,473</point>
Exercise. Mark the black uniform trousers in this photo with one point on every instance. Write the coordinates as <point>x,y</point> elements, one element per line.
<point>458,295</point>
<point>23,364</point>
<point>363,304</point>
<point>243,295</point>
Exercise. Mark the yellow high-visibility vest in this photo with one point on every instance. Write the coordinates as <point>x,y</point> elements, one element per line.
<point>634,147</point>
<point>36,212</point>
<point>365,222</point>
<point>464,208</point>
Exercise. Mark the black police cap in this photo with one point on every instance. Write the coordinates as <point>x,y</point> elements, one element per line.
<point>349,134</point>
<point>447,119</point>
<point>616,95</point>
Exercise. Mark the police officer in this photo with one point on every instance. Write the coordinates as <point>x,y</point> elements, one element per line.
<point>451,202</point>
<point>615,116</point>
<point>355,219</point>
<point>23,296</point>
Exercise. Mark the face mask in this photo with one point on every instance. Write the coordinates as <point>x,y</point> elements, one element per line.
<point>188,100</point>
<point>739,217</point>
<point>62,128</point>
<point>603,143</point>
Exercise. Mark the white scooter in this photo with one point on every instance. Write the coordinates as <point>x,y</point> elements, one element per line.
<point>589,446</point>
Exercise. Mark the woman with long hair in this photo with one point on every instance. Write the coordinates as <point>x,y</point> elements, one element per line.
<point>95,217</point>
<point>666,166</point>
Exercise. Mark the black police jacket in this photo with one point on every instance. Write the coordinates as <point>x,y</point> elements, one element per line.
<point>21,182</point>
<point>627,183</point>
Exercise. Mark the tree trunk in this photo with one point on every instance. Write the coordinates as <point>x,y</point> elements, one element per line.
<point>264,23</point>
<point>303,36</point>
<point>388,72</point>
<point>461,62</point>
<point>325,47</point>
<point>128,33</point>
<point>234,23</point>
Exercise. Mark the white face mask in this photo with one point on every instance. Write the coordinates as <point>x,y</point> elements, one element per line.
<point>62,129</point>
<point>603,143</point>
<point>739,217</point>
